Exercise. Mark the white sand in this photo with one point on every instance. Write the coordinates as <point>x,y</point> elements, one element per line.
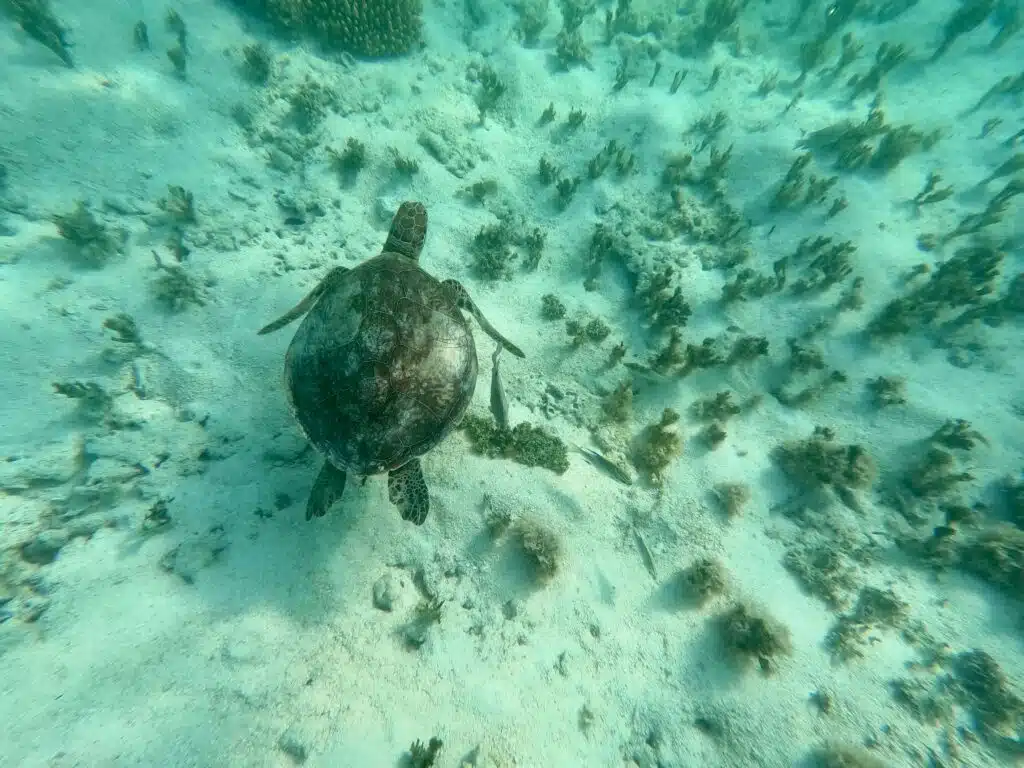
<point>276,641</point>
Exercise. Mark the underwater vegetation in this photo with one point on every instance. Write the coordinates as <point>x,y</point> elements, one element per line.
<point>36,18</point>
<point>705,332</point>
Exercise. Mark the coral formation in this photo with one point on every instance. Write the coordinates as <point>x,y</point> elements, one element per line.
<point>179,205</point>
<point>995,553</point>
<point>702,580</point>
<point>310,102</point>
<point>749,634</point>
<point>582,330</point>
<point>983,688</point>
<point>657,445</point>
<point>820,461</point>
<point>958,434</point>
<point>827,263</point>
<point>571,50</point>
<point>617,405</point>
<point>887,58</point>
<point>551,307</point>
<point>968,16</point>
<point>533,17</point>
<point>1013,499</point>
<point>541,547</point>
<point>257,63</point>
<point>424,756</point>
<point>713,435</point>
<point>799,189</point>
<point>524,443</point>
<point>822,569</point>
<point>717,22</point>
<point>888,390</point>
<point>965,280</point>
<point>497,247</point>
<point>426,614</point>
<point>361,27</point>
<point>935,474</point>
<point>94,402</point>
<point>349,161</point>
<point>175,287</point>
<point>39,23</point>
<point>717,407</point>
<point>874,608</point>
<point>95,242</point>
<point>732,496</point>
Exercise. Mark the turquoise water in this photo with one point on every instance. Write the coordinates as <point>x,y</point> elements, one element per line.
<point>744,488</point>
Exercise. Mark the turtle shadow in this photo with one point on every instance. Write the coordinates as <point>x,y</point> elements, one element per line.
<point>247,547</point>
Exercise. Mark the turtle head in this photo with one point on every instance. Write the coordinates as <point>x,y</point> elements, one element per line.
<point>408,230</point>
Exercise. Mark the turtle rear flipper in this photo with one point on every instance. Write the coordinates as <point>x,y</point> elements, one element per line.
<point>327,489</point>
<point>306,304</point>
<point>457,293</point>
<point>408,491</point>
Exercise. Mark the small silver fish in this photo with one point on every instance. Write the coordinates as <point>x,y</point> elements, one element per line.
<point>604,464</point>
<point>499,403</point>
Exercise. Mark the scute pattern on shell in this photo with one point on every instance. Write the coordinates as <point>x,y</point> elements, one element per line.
<point>408,230</point>
<point>383,367</point>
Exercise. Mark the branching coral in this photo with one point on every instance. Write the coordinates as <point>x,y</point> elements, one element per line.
<point>657,445</point>
<point>969,15</point>
<point>799,189</point>
<point>175,287</point>
<point>820,461</point>
<point>719,16</point>
<point>750,634</point>
<point>523,443</point>
<point>996,554</point>
<point>875,608</point>
<point>748,283</point>
<point>888,390</point>
<point>823,569</point>
<point>497,247</point>
<point>886,59</point>
<point>361,27</point>
<point>94,402</point>
<point>702,580</point>
<point>827,263</point>
<point>964,280</point>
<point>257,63</point>
<point>617,406</point>
<point>733,497</point>
<point>982,686</point>
<point>541,546</point>
<point>94,241</point>
<point>551,307</point>
<point>935,474</point>
<point>582,330</point>
<point>717,407</point>
<point>1013,498</point>
<point>39,23</point>
<point>957,433</point>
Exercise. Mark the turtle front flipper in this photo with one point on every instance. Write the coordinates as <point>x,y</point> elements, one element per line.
<point>457,293</point>
<point>306,304</point>
<point>327,489</point>
<point>408,491</point>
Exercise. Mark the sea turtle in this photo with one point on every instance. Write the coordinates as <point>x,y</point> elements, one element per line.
<point>382,367</point>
